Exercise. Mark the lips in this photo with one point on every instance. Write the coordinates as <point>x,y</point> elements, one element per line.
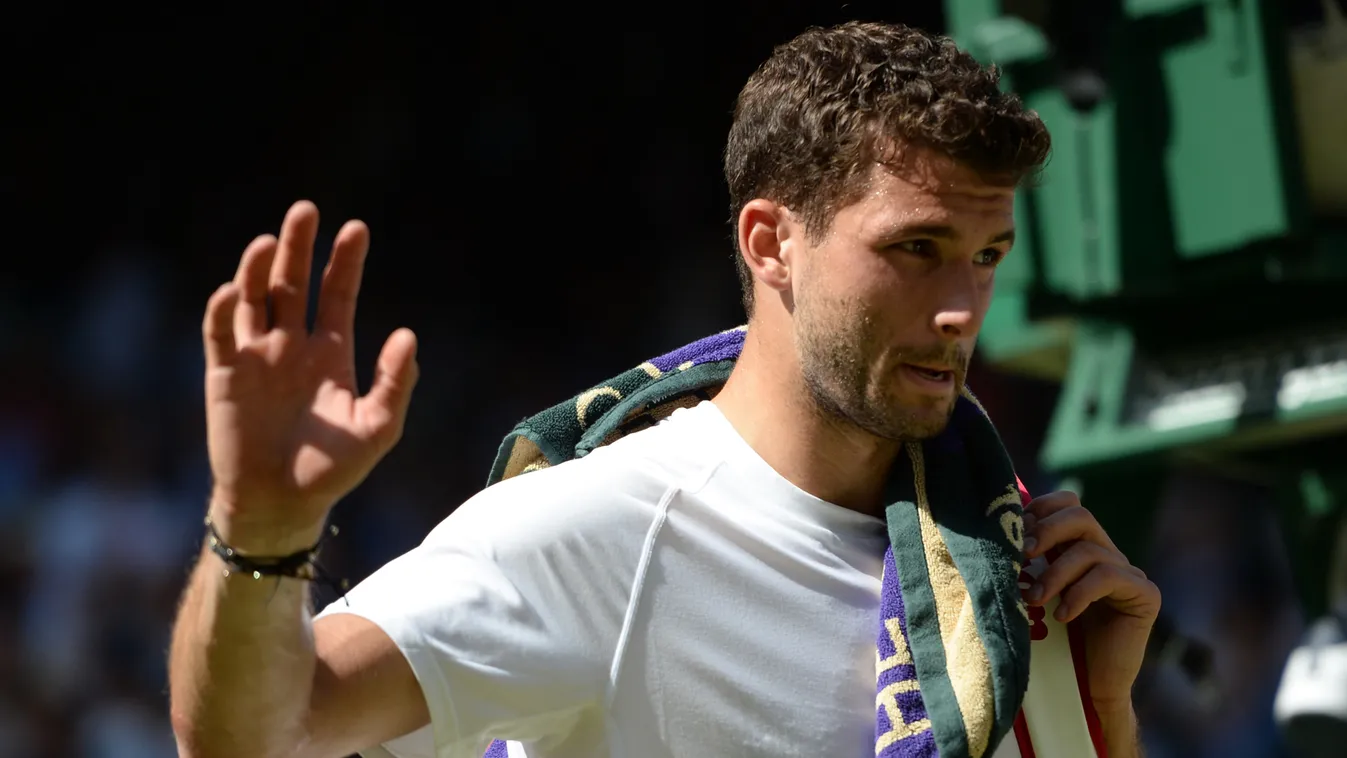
<point>934,373</point>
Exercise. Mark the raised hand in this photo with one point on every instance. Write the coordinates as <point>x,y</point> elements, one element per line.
<point>288,432</point>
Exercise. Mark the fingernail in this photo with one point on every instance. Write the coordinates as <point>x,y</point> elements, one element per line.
<point>1060,613</point>
<point>1035,593</point>
<point>1030,543</point>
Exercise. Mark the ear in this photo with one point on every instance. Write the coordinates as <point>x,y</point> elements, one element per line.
<point>768,237</point>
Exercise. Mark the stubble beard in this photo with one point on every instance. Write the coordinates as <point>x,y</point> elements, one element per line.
<point>839,348</point>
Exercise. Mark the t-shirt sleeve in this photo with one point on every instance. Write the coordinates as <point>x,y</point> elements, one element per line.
<point>509,611</point>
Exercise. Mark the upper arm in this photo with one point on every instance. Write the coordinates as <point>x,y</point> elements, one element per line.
<point>502,624</point>
<point>364,690</point>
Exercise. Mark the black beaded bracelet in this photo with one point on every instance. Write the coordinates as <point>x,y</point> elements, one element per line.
<point>300,565</point>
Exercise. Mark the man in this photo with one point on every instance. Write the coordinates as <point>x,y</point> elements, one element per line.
<point>705,587</point>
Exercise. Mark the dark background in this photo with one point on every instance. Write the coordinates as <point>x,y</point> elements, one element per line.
<point>543,183</point>
<point>544,190</point>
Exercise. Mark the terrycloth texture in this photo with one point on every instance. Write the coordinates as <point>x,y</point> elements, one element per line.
<point>952,656</point>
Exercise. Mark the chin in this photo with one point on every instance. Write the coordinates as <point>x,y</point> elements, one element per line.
<point>915,419</point>
<point>925,429</point>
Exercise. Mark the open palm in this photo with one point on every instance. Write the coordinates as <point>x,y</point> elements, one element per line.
<point>288,432</point>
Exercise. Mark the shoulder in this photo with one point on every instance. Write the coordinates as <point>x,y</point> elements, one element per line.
<point>558,547</point>
<point>616,489</point>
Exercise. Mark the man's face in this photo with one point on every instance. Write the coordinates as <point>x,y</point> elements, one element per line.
<point>888,305</point>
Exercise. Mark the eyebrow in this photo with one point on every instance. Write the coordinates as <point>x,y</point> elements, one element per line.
<point>941,231</point>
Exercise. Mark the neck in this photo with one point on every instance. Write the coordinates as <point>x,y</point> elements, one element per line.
<point>766,401</point>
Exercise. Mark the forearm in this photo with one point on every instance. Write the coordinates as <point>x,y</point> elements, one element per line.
<point>1122,734</point>
<point>241,664</point>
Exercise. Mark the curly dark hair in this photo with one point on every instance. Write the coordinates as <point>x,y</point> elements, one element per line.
<point>829,104</point>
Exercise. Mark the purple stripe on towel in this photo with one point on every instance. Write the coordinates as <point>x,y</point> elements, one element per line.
<point>497,750</point>
<point>911,741</point>
<point>717,347</point>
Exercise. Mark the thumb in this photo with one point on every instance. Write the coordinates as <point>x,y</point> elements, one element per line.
<point>383,410</point>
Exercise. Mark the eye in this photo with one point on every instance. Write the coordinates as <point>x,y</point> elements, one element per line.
<point>920,248</point>
<point>989,257</point>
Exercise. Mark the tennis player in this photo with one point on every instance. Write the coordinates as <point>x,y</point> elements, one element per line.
<point>705,587</point>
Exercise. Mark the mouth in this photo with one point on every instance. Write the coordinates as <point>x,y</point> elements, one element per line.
<point>936,377</point>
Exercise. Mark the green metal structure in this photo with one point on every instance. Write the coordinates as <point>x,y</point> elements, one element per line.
<point>1183,271</point>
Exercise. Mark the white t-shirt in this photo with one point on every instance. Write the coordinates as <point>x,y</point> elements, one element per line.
<point>667,595</point>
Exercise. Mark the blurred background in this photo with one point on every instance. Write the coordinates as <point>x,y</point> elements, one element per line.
<point>543,185</point>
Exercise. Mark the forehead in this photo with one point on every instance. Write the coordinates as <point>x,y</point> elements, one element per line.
<point>928,188</point>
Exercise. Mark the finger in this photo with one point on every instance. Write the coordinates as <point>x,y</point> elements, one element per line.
<point>383,411</point>
<point>217,328</point>
<point>341,282</point>
<point>250,318</point>
<point>1030,521</point>
<point>1063,527</point>
<point>1046,505</point>
<point>1123,590</point>
<point>289,285</point>
<point>1069,567</point>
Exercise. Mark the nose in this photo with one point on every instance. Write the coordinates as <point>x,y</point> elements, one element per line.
<point>957,304</point>
<point>953,323</point>
<point>957,314</point>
